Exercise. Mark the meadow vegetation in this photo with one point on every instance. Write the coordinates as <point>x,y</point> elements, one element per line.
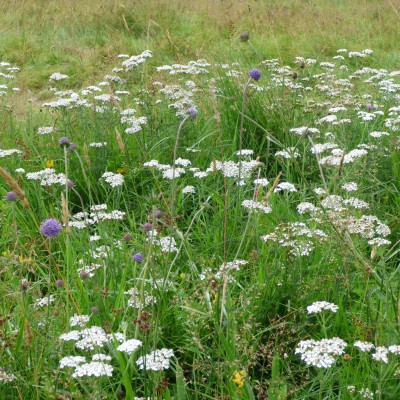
<point>199,200</point>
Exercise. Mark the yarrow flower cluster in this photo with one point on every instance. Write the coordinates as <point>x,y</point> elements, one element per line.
<point>319,306</point>
<point>5,377</point>
<point>321,354</point>
<point>112,179</point>
<point>364,346</point>
<point>129,346</point>
<point>79,320</point>
<point>296,236</point>
<point>45,130</point>
<point>97,213</point>
<point>256,206</point>
<point>47,177</point>
<point>157,360</point>
<point>43,302</point>
<point>94,368</point>
<point>56,76</point>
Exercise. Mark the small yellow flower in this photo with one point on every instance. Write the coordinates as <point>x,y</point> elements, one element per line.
<point>216,298</point>
<point>182,275</point>
<point>50,163</point>
<point>22,259</point>
<point>121,171</point>
<point>239,378</point>
<point>6,253</point>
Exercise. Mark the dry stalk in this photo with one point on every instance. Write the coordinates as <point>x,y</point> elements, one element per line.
<point>120,141</point>
<point>270,191</point>
<point>65,214</point>
<point>85,151</point>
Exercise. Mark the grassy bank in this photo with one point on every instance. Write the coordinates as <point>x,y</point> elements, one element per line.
<point>225,228</point>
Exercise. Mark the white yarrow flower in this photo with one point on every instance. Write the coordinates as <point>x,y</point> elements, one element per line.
<point>93,368</point>
<point>71,361</point>
<point>129,346</point>
<point>319,306</point>
<point>157,360</point>
<point>112,179</point>
<point>364,346</point>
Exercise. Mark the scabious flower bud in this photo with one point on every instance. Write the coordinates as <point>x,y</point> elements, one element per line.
<point>11,196</point>
<point>147,227</point>
<point>64,141</point>
<point>50,227</point>
<point>127,237</point>
<point>244,37</point>
<point>24,284</point>
<point>70,184</point>
<point>138,257</point>
<point>295,75</point>
<point>59,283</point>
<point>94,310</point>
<point>84,275</point>
<point>71,148</point>
<point>193,112</point>
<point>255,74</point>
<point>158,213</point>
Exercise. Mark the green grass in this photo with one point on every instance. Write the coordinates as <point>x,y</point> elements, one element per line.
<point>233,326</point>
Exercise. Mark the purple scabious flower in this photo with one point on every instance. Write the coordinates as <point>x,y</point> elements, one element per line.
<point>193,112</point>
<point>138,257</point>
<point>64,141</point>
<point>70,184</point>
<point>59,283</point>
<point>94,310</point>
<point>50,227</point>
<point>11,196</point>
<point>71,148</point>
<point>255,74</point>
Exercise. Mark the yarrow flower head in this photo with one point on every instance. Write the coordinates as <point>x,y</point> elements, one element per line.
<point>321,354</point>
<point>255,74</point>
<point>319,306</point>
<point>364,346</point>
<point>129,346</point>
<point>157,360</point>
<point>50,227</point>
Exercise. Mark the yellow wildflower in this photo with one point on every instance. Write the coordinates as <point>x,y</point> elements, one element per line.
<point>50,163</point>
<point>22,259</point>
<point>216,298</point>
<point>121,171</point>
<point>239,378</point>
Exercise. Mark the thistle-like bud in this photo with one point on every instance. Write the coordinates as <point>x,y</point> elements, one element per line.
<point>244,37</point>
